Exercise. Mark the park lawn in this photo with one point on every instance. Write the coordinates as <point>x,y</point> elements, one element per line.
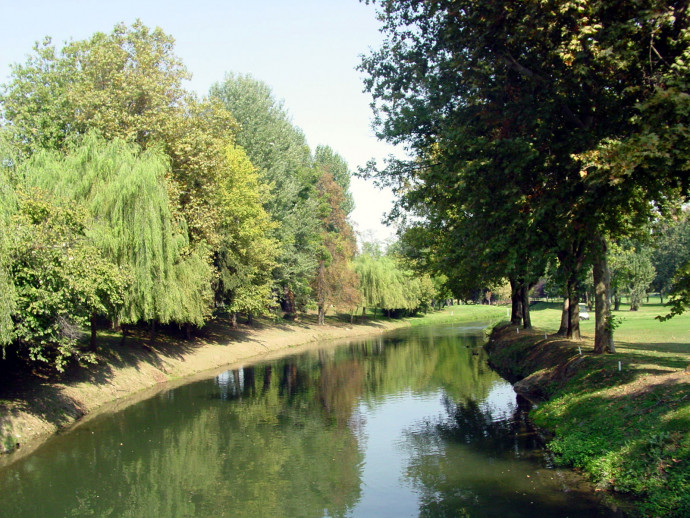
<point>623,418</point>
<point>461,313</point>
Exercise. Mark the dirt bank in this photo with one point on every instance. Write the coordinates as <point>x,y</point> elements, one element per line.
<point>536,363</point>
<point>32,409</point>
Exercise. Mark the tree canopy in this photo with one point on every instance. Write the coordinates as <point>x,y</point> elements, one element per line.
<point>528,125</point>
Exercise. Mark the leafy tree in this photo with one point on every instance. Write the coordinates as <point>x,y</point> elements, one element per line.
<point>385,283</point>
<point>633,272</point>
<point>60,279</point>
<point>127,85</point>
<point>7,208</point>
<point>246,254</point>
<point>671,250</point>
<point>282,157</point>
<point>336,283</point>
<point>132,222</point>
<point>564,83</point>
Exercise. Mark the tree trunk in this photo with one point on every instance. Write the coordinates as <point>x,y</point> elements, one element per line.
<point>515,299</point>
<point>250,318</point>
<point>565,315</point>
<point>524,302</point>
<point>573,311</point>
<point>603,331</point>
<point>233,321</point>
<point>364,312</point>
<point>188,331</point>
<point>616,302</point>
<point>123,327</point>
<point>249,381</point>
<point>322,315</point>
<point>661,298</point>
<point>288,302</point>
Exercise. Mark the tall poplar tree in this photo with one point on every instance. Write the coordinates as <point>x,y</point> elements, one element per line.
<point>280,152</point>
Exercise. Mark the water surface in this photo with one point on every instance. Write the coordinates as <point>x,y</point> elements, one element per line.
<point>410,424</point>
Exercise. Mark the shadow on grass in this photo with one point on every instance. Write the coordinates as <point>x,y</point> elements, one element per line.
<point>669,347</point>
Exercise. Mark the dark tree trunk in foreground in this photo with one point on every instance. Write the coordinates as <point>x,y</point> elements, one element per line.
<point>152,332</point>
<point>124,329</point>
<point>563,330</point>
<point>524,302</point>
<point>268,372</point>
<point>516,303</point>
<point>603,332</point>
<point>573,311</point>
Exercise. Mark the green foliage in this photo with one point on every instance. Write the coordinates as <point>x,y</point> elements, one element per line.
<point>132,223</point>
<point>60,279</point>
<point>387,285</point>
<point>501,108</point>
<point>336,283</point>
<point>246,254</point>
<point>7,208</point>
<point>125,84</point>
<point>632,271</point>
<point>680,293</point>
<point>280,153</point>
<point>671,249</point>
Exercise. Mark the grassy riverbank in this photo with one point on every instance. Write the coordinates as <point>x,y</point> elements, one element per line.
<point>33,407</point>
<point>624,418</point>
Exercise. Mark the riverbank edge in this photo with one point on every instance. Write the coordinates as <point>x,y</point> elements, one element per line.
<point>553,372</point>
<point>40,409</point>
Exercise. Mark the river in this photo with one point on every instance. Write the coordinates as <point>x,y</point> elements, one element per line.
<point>412,423</point>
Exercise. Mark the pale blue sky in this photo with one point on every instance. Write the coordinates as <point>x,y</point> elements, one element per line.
<point>306,50</point>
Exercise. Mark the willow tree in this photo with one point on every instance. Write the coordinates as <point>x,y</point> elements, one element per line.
<point>59,278</point>
<point>133,223</point>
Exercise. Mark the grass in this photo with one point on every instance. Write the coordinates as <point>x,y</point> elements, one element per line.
<point>622,418</point>
<point>461,313</point>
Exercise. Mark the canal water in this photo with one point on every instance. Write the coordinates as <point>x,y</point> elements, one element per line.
<point>413,423</point>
